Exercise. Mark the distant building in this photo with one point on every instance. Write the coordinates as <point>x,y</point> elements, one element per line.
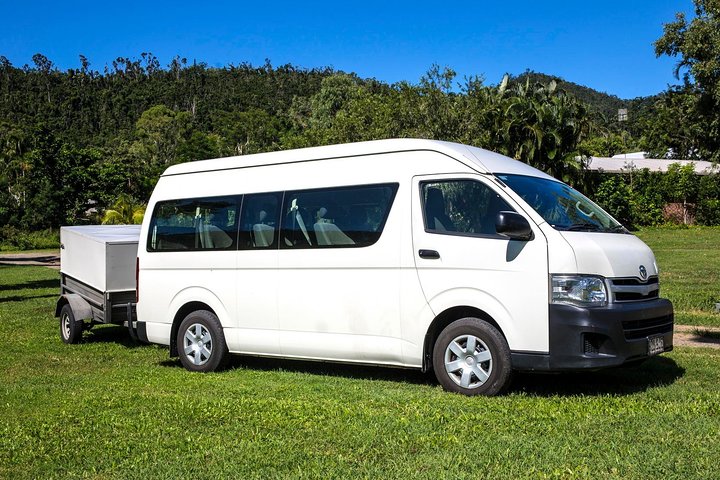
<point>631,155</point>
<point>625,163</point>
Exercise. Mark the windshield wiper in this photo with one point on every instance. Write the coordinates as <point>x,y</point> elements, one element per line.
<point>583,227</point>
<point>617,229</point>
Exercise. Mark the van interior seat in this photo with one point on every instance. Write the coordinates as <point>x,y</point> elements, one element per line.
<point>435,214</point>
<point>328,233</point>
<point>213,237</point>
<point>263,235</point>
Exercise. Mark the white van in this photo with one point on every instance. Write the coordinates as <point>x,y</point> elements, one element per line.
<point>410,253</point>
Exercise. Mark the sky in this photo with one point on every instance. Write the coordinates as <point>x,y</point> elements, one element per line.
<point>605,45</point>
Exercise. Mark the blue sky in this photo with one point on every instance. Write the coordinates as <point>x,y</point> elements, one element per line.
<point>606,45</point>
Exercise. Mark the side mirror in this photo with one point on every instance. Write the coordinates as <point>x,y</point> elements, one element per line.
<point>513,225</point>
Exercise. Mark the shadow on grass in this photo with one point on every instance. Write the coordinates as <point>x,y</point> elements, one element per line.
<point>655,372</point>
<point>116,334</point>
<point>18,298</point>
<point>328,369</point>
<point>31,285</point>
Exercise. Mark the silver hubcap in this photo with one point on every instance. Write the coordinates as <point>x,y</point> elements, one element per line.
<point>468,361</point>
<point>197,344</point>
<point>65,320</point>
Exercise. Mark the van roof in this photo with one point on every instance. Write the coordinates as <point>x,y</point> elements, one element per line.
<point>481,160</point>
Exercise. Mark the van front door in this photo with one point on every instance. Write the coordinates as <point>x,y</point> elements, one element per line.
<point>462,261</point>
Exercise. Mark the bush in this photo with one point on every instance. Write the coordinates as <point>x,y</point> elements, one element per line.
<point>614,196</point>
<point>12,238</point>
<point>708,212</point>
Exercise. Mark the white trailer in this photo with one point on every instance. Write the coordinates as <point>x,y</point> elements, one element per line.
<point>97,278</point>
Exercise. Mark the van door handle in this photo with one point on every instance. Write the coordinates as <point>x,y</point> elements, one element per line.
<point>429,254</point>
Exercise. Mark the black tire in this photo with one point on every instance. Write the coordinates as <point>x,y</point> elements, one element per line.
<point>201,343</point>
<point>70,329</point>
<point>485,371</point>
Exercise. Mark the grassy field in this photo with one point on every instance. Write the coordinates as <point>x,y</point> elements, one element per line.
<point>689,262</point>
<point>108,408</point>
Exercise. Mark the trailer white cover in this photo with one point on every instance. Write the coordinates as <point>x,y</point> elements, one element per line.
<point>102,256</point>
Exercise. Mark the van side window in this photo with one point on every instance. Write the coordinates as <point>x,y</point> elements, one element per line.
<point>259,221</point>
<point>461,207</point>
<point>194,224</point>
<point>336,217</point>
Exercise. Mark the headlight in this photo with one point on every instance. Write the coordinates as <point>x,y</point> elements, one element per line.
<point>581,290</point>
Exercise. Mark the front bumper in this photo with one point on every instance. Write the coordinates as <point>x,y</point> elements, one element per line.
<point>600,337</point>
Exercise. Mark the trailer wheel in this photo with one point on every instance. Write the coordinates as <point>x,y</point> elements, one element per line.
<point>472,357</point>
<point>70,329</point>
<point>201,343</point>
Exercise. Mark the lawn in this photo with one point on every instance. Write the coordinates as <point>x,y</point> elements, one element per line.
<point>108,408</point>
<point>689,262</point>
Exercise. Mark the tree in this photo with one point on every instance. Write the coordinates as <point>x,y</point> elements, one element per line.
<point>697,43</point>
<point>681,184</point>
<point>125,211</point>
<point>542,126</point>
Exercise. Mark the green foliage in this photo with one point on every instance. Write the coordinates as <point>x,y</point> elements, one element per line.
<point>708,211</point>
<point>543,126</point>
<point>14,239</point>
<point>607,144</point>
<point>615,196</point>
<point>647,193</point>
<point>125,211</point>
<point>697,44</point>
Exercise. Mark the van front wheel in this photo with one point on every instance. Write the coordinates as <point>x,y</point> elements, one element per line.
<point>472,357</point>
<point>201,343</point>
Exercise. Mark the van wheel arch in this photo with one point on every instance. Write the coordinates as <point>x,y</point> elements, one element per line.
<point>180,315</point>
<point>442,321</point>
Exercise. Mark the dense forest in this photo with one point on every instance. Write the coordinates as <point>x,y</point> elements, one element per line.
<point>80,139</point>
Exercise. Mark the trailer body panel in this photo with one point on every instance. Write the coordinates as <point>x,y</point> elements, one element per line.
<point>100,256</point>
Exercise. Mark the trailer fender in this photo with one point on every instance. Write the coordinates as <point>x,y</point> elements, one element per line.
<point>80,307</point>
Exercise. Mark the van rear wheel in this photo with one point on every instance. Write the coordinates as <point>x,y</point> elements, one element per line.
<point>201,343</point>
<point>472,357</point>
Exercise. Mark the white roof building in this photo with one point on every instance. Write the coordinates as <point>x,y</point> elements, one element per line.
<point>625,164</point>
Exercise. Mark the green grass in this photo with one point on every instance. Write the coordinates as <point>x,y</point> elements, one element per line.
<point>107,409</point>
<point>689,262</point>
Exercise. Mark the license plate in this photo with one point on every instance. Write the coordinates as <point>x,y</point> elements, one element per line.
<point>656,344</point>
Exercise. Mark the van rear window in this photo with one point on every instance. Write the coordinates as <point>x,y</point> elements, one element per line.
<point>336,217</point>
<point>319,218</point>
<point>194,224</point>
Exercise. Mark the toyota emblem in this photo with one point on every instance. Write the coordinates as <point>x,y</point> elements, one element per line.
<point>643,272</point>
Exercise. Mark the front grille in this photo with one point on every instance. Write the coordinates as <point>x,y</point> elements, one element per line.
<point>635,296</point>
<point>635,329</point>
<point>634,289</point>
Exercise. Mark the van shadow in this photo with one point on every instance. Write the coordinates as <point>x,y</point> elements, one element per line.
<point>655,372</point>
<point>116,334</point>
<point>326,369</point>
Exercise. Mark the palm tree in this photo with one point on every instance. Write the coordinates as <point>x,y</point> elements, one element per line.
<point>542,126</point>
<point>124,211</point>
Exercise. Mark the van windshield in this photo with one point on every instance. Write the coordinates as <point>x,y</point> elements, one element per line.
<point>563,207</point>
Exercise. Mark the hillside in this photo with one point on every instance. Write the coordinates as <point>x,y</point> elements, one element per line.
<point>601,103</point>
